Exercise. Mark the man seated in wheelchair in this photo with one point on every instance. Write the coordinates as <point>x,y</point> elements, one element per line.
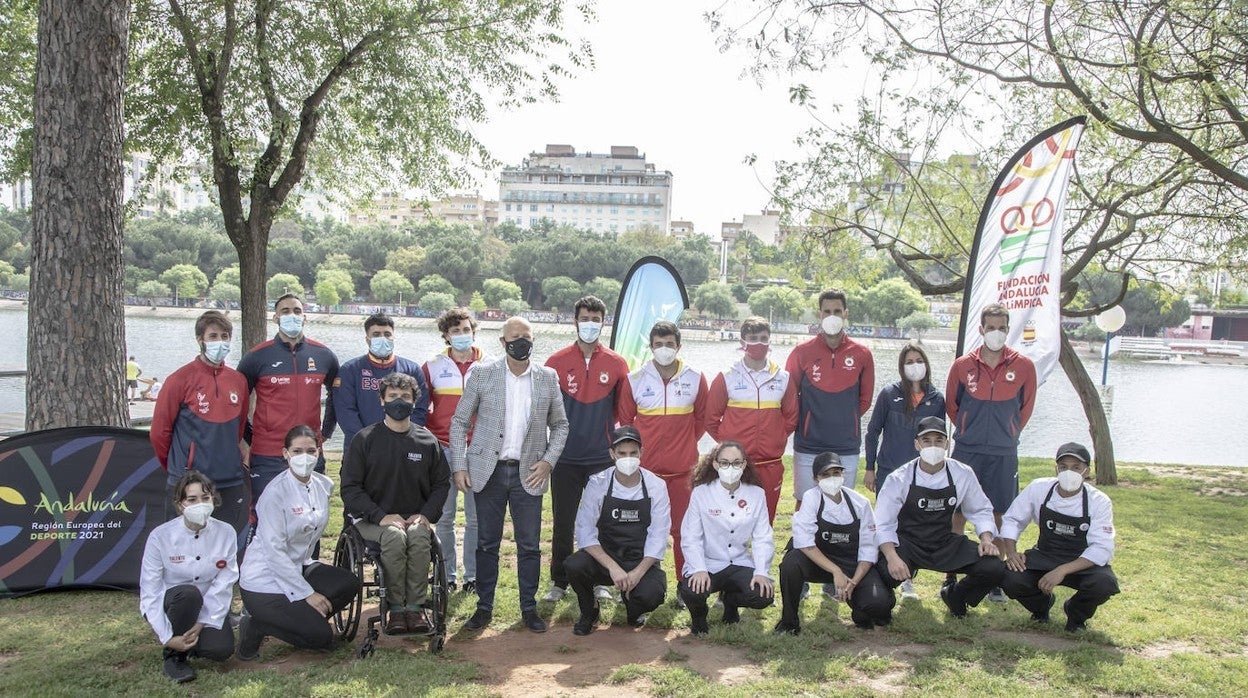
<point>395,479</point>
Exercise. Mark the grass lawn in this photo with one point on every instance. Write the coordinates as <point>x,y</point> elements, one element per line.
<point>1179,628</point>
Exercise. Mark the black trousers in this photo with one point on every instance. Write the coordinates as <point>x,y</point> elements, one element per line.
<point>982,576</point>
<point>1092,586</point>
<point>567,484</point>
<point>296,622</point>
<point>182,606</point>
<point>871,603</point>
<point>584,572</point>
<point>734,584</point>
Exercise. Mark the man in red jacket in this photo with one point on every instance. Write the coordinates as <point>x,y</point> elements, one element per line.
<point>198,422</point>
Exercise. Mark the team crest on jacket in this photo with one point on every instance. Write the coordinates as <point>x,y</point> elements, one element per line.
<point>604,377</point>
<point>849,362</point>
<point>233,398</point>
<point>1009,376</point>
<point>311,364</point>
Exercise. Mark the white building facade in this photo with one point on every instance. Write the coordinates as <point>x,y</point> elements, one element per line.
<point>615,191</point>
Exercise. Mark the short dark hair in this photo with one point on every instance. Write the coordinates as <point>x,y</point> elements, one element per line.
<point>754,324</point>
<point>284,296</point>
<point>664,328</point>
<point>452,317</point>
<point>378,319</point>
<point>301,430</point>
<point>210,318</point>
<point>195,477</point>
<point>833,294</point>
<point>593,304</point>
<point>993,310</point>
<point>399,381</point>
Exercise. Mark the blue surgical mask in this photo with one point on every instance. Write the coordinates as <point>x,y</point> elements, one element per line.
<point>461,342</point>
<point>589,331</point>
<point>291,325</point>
<point>381,347</point>
<point>216,351</point>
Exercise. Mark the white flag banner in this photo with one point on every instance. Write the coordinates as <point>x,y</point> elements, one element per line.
<point>1016,259</point>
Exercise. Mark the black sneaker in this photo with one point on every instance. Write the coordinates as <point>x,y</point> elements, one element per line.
<point>177,668</point>
<point>732,615</point>
<point>585,624</point>
<point>479,619</point>
<point>533,622</point>
<point>862,620</point>
<point>249,639</point>
<point>699,626</point>
<point>1073,625</point>
<point>470,586</point>
<point>783,628</point>
<point>953,599</point>
<point>638,622</point>
<point>1044,616</point>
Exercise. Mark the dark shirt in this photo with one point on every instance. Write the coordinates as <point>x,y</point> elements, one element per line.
<point>385,472</point>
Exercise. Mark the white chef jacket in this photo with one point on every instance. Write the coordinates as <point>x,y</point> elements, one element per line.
<point>596,492</point>
<point>291,516</point>
<point>972,501</point>
<point>805,527</point>
<point>719,523</point>
<point>175,555</point>
<point>1025,509</point>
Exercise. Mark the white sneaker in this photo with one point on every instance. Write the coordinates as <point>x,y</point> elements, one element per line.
<point>997,596</point>
<point>907,590</point>
<point>829,593</point>
<point>554,594</point>
<point>605,593</point>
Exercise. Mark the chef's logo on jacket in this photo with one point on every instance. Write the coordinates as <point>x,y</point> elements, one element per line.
<point>714,512</point>
<point>834,538</point>
<point>740,503</point>
<point>1061,529</point>
<point>936,504</point>
<point>177,559</point>
<point>1083,526</point>
<point>221,564</point>
<point>626,515</point>
<point>416,457</point>
<point>297,511</point>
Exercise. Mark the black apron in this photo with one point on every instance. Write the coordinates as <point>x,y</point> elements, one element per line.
<point>838,542</point>
<point>925,528</point>
<point>1062,537</point>
<point>623,524</point>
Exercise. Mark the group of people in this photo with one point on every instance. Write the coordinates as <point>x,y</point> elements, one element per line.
<point>618,450</point>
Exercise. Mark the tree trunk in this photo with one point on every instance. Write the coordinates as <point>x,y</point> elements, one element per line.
<point>252,259</point>
<point>76,351</point>
<point>1098,424</point>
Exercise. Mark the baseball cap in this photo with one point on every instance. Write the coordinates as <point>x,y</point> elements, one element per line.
<point>1073,449</point>
<point>931,424</point>
<point>823,461</point>
<point>625,434</point>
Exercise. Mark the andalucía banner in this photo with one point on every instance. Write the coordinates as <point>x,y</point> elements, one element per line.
<point>1016,259</point>
<point>652,291</point>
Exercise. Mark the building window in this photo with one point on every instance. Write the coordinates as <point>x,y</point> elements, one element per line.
<point>533,208</point>
<point>508,207</point>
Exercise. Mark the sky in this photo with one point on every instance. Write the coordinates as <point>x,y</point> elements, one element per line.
<point>660,83</point>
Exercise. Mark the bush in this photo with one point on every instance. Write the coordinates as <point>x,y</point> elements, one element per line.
<point>513,306</point>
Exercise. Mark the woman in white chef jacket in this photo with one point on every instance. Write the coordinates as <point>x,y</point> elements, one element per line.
<point>287,593</point>
<point>726,538</point>
<point>187,579</point>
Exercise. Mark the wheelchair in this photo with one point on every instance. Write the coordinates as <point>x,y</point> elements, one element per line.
<point>362,557</point>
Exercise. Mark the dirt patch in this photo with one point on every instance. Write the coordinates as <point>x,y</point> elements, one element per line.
<point>7,657</point>
<point>1050,643</point>
<point>557,662</point>
<point>1207,475</point>
<point>1163,650</point>
<point>890,683</point>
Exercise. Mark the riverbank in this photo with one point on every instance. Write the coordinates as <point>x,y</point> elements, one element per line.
<point>1177,628</point>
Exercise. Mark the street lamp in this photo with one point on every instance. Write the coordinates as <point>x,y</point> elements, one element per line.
<point>1110,321</point>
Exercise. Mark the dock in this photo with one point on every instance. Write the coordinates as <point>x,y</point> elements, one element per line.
<point>14,423</point>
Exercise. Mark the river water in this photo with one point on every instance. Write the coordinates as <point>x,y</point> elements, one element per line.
<point>1185,413</point>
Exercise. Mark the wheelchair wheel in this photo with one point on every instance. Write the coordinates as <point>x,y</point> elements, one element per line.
<point>349,555</point>
<point>439,593</point>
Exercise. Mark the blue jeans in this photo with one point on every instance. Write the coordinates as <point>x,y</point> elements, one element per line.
<point>446,535</point>
<point>504,488</point>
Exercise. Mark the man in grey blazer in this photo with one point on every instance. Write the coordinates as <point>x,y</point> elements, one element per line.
<point>519,432</point>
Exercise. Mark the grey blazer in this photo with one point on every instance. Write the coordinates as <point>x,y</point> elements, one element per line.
<point>485,397</point>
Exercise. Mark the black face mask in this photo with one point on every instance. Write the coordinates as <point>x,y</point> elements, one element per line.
<point>399,409</point>
<point>519,349</point>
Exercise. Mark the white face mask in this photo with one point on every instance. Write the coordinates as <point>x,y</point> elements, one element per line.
<point>664,356</point>
<point>832,325</point>
<point>628,465</point>
<point>994,340</point>
<point>301,464</point>
<point>915,372</point>
<point>1069,480</point>
<point>197,514</point>
<point>832,485</point>
<point>730,476</point>
<point>588,331</point>
<point>932,455</point>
